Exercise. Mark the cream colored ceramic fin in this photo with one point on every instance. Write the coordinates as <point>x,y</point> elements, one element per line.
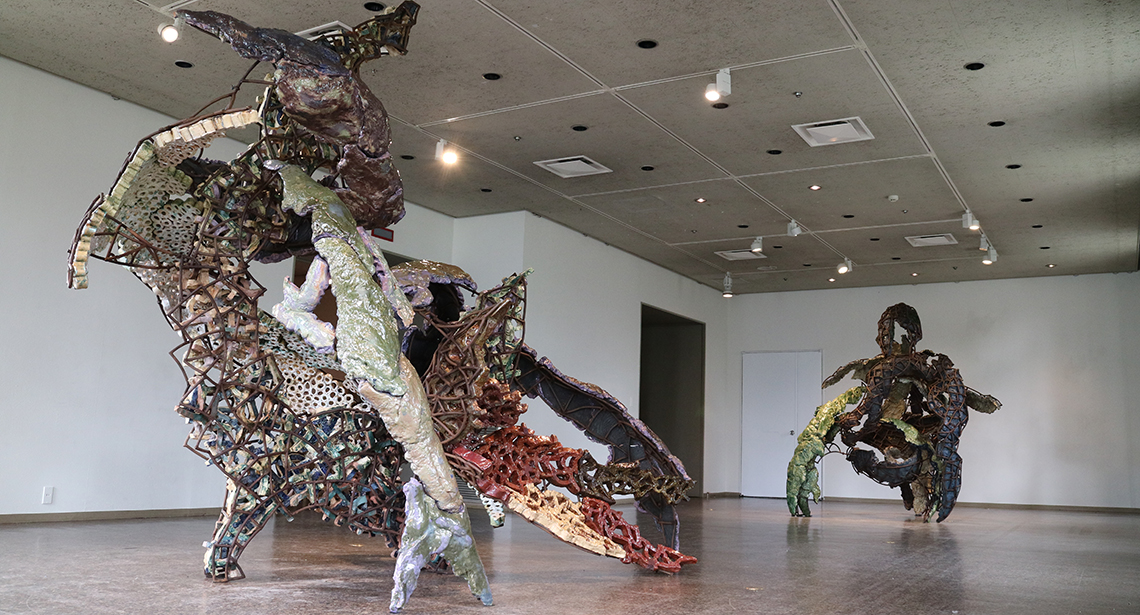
<point>562,517</point>
<point>152,157</point>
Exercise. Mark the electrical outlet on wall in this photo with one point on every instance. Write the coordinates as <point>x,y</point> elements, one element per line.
<point>49,495</point>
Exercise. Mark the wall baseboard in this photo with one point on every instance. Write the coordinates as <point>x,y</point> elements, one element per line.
<point>1050,507</point>
<point>109,515</point>
<point>721,494</point>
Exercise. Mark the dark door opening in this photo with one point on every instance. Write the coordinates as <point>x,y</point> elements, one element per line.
<point>673,386</point>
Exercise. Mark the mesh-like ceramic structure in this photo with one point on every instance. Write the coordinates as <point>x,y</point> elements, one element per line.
<point>299,415</point>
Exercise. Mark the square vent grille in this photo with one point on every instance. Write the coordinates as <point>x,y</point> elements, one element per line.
<point>833,132</point>
<point>923,241</point>
<point>324,29</point>
<point>739,255</point>
<point>574,166</point>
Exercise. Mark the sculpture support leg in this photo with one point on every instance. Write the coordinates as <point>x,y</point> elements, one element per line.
<point>429,532</point>
<point>241,519</point>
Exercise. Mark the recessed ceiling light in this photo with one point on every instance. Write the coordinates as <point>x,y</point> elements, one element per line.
<point>579,128</point>
<point>775,152</point>
<point>693,230</point>
<point>814,187</point>
<point>830,279</point>
<point>1050,265</point>
<point>1026,200</point>
<point>408,157</point>
<point>720,105</point>
<point>647,168</point>
<point>1037,226</point>
<point>874,239</point>
<point>996,123</point>
<point>492,76</point>
<point>906,211</point>
<point>647,43</point>
<point>777,247</point>
<point>848,216</point>
<point>183,64</point>
<point>741,226</point>
<point>700,199</point>
<point>914,274</point>
<point>1044,247</point>
<point>974,66</point>
<point>1013,166</point>
<point>375,7</point>
<point>896,258</point>
<point>484,190</point>
<point>807,264</point>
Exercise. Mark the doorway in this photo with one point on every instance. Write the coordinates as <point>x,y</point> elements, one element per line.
<point>672,388</point>
<point>779,394</point>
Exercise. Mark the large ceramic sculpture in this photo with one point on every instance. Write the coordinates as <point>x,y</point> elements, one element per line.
<point>911,408</point>
<point>301,414</point>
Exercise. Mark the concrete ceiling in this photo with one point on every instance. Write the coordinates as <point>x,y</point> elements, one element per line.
<point>1064,76</point>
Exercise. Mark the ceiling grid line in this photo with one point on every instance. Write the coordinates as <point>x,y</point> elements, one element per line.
<point>744,66</point>
<point>870,57</point>
<point>833,230</point>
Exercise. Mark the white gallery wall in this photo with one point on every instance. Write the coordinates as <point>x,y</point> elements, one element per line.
<point>1059,352</point>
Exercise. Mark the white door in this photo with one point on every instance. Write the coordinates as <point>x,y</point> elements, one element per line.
<point>780,393</point>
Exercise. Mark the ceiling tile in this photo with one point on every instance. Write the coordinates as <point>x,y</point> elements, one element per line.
<point>672,213</point>
<point>861,191</point>
<point>602,36</point>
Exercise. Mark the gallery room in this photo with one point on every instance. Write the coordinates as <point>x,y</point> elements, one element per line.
<point>496,306</point>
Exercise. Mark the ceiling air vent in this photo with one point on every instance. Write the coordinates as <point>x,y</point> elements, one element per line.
<point>923,241</point>
<point>574,166</point>
<point>319,31</point>
<point>739,255</point>
<point>833,132</point>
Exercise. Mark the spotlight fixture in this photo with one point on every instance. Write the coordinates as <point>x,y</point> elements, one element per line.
<point>794,229</point>
<point>757,245</point>
<point>970,222</point>
<point>700,199</point>
<point>984,246</point>
<point>727,285</point>
<point>991,256</point>
<point>445,153</point>
<point>814,187</point>
<point>170,31</point>
<point>721,87</point>
<point>845,266</point>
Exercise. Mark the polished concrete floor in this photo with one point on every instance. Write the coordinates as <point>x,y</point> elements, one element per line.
<point>858,558</point>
